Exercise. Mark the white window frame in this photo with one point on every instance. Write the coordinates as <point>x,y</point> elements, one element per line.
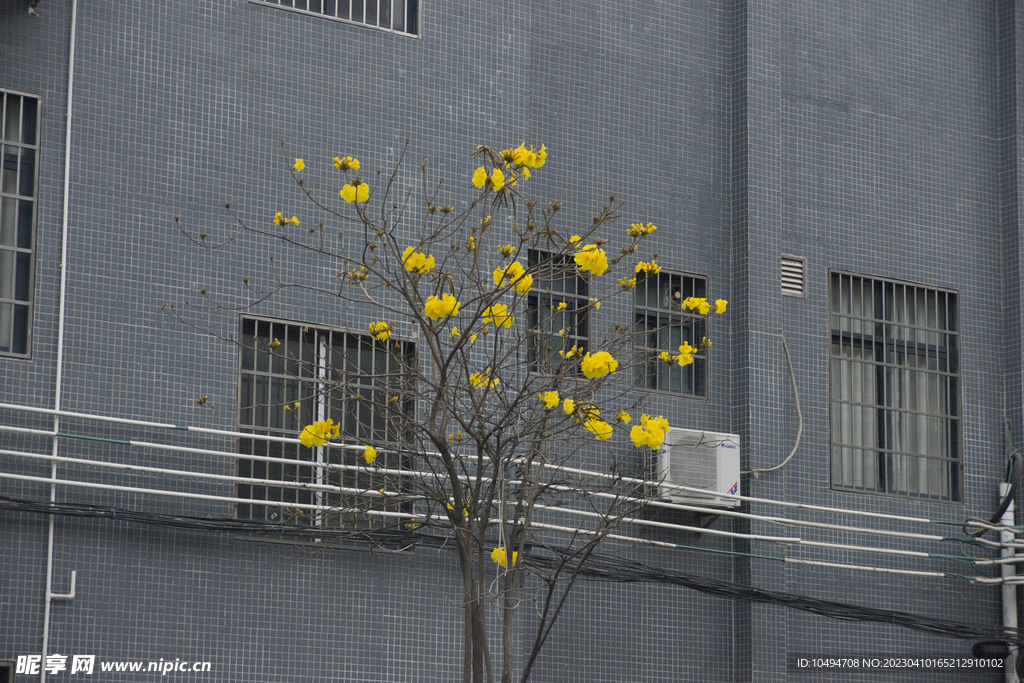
<point>19,192</point>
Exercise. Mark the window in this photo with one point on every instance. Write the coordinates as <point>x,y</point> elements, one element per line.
<point>325,371</point>
<point>661,324</point>
<point>19,121</point>
<point>398,16</point>
<point>553,326</point>
<point>895,388</point>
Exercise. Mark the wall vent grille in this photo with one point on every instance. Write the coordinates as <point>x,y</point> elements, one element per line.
<point>793,268</point>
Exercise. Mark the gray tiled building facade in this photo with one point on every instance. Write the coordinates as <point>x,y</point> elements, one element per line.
<point>876,142</point>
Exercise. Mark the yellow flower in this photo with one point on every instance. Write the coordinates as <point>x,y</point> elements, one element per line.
<point>720,305</point>
<point>415,261</point>
<point>454,333</point>
<point>665,356</point>
<point>528,157</point>
<point>380,331</point>
<point>685,354</point>
<point>498,556</point>
<point>525,284</point>
<point>624,417</point>
<point>346,164</point>
<point>705,343</point>
<point>506,250</point>
<point>274,344</point>
<point>465,510</point>
<point>561,306</point>
<point>592,260</point>
<point>700,305</point>
<point>481,380</point>
<point>498,314</point>
<point>627,282</point>
<point>550,399</point>
<point>293,220</point>
<point>602,431</point>
<point>598,364</point>
<point>369,455</point>
<point>651,433</point>
<point>319,433</point>
<point>352,193</point>
<point>574,351</point>
<point>512,272</point>
<point>641,230</point>
<point>575,239</point>
<point>595,304</point>
<point>299,165</point>
<point>472,339</point>
<point>278,218</point>
<point>444,307</point>
<point>498,179</point>
<point>651,268</point>
<point>480,177</point>
<point>569,406</point>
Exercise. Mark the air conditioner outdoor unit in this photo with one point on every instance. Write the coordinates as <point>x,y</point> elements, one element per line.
<point>702,460</point>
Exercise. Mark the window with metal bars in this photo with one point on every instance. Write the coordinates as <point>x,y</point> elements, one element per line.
<point>19,152</point>
<point>895,388</point>
<point>662,325</point>
<point>558,310</point>
<point>361,384</point>
<point>397,16</point>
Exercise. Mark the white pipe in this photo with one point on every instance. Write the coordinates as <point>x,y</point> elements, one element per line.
<point>571,470</point>
<point>706,492</point>
<point>865,568</point>
<point>276,483</point>
<point>371,492</point>
<point>67,596</point>
<point>62,311</point>
<point>1009,588</point>
<point>783,521</point>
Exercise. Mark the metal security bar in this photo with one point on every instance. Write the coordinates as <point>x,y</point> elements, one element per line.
<point>398,16</point>
<point>661,324</point>
<point>895,388</point>
<point>291,375</point>
<point>558,310</point>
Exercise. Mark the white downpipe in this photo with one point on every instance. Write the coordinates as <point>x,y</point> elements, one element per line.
<point>1009,587</point>
<point>59,379</point>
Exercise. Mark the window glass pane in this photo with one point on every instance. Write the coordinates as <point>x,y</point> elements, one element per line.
<point>6,326</point>
<point>9,183</point>
<point>12,119</point>
<point>8,221</point>
<point>25,224</point>
<point>398,14</point>
<point>23,270</point>
<point>28,172</point>
<point>28,121</point>
<point>6,274</point>
<point>384,13</point>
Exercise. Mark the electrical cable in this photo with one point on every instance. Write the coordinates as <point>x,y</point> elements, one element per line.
<point>799,416</point>
<point>597,568</point>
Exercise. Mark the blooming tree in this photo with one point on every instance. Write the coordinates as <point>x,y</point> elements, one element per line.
<point>509,396</point>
